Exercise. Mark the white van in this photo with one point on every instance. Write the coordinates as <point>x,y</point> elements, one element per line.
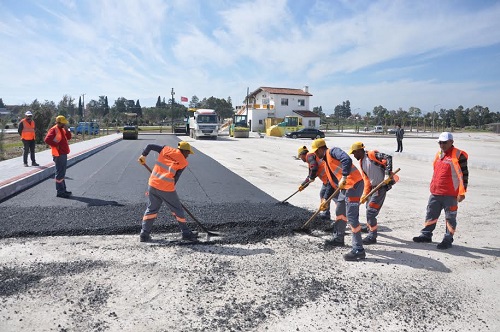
<point>378,129</point>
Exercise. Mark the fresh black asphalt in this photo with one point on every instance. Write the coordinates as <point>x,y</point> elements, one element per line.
<point>109,198</point>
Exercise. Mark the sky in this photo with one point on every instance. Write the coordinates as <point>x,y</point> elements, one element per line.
<point>398,54</point>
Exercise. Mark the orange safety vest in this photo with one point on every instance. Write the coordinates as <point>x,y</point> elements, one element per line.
<point>383,164</point>
<point>28,132</point>
<point>321,173</point>
<point>457,180</point>
<point>57,139</point>
<point>335,168</point>
<point>169,161</point>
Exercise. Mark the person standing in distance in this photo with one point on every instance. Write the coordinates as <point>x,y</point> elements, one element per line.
<point>448,186</point>
<point>166,172</point>
<point>26,130</point>
<point>58,137</point>
<point>400,132</point>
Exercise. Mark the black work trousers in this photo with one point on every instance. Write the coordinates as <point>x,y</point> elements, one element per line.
<point>29,148</point>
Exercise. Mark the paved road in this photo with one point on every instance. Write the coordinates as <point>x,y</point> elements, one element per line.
<point>108,196</point>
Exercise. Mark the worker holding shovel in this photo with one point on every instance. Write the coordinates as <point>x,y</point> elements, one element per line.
<point>317,168</point>
<point>376,167</point>
<point>166,172</point>
<point>341,171</point>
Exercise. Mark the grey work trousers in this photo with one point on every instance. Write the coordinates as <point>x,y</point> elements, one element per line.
<point>348,205</point>
<point>373,206</point>
<point>437,203</point>
<point>61,163</point>
<point>155,199</point>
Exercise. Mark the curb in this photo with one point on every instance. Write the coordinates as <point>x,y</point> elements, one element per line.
<point>26,180</point>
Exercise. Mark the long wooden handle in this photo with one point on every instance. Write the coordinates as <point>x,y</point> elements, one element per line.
<point>380,185</point>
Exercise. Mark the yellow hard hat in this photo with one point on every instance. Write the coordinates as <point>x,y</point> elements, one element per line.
<point>317,143</point>
<point>185,146</point>
<point>302,150</point>
<point>356,146</point>
<point>61,119</point>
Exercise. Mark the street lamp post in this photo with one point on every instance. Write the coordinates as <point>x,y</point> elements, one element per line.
<point>433,116</point>
<point>172,93</point>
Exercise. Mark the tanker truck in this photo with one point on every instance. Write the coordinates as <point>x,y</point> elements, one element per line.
<point>203,123</point>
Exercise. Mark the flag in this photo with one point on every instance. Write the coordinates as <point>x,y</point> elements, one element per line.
<point>184,99</point>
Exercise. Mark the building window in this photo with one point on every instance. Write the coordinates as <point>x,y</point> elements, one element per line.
<point>312,124</point>
<point>260,122</point>
<point>302,102</point>
<point>265,101</point>
<point>284,101</point>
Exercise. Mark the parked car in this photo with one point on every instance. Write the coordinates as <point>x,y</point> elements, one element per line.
<point>378,129</point>
<point>391,131</point>
<point>130,132</point>
<point>311,133</point>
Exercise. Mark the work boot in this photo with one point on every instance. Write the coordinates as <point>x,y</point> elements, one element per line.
<point>422,238</point>
<point>445,244</point>
<point>325,215</point>
<point>26,165</point>
<point>190,236</point>
<point>370,240</point>
<point>364,228</point>
<point>34,164</point>
<point>335,242</point>
<point>63,195</point>
<point>145,237</point>
<point>68,193</point>
<point>355,255</point>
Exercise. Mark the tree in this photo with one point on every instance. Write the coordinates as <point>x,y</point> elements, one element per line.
<point>2,105</point>
<point>379,112</point>
<point>44,117</point>
<point>195,102</point>
<point>319,110</point>
<point>66,106</point>
<point>80,108</point>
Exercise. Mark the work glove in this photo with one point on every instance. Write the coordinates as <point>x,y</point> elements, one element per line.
<point>305,184</point>
<point>460,198</point>
<point>324,205</point>
<point>142,160</point>
<point>342,182</point>
<point>387,178</point>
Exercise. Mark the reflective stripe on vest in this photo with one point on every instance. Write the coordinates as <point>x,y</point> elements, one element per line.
<point>28,132</point>
<point>57,139</point>
<point>456,172</point>
<point>335,167</point>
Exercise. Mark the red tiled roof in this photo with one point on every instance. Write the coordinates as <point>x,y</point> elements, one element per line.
<point>281,91</point>
<point>307,114</point>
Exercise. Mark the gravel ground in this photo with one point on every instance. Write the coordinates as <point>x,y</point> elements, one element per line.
<point>92,275</point>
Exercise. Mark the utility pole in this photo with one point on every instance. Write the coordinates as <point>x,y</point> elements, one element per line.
<point>83,107</point>
<point>172,93</point>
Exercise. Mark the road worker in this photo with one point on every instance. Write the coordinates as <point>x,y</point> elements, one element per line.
<point>57,137</point>
<point>168,168</point>
<point>375,167</point>
<point>26,130</point>
<point>342,173</point>
<point>448,186</point>
<point>316,169</point>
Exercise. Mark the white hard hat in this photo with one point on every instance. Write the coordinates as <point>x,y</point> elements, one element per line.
<point>28,113</point>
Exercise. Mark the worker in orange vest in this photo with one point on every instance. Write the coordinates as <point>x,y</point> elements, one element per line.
<point>375,167</point>
<point>26,130</point>
<point>168,168</point>
<point>317,169</point>
<point>58,137</point>
<point>342,173</point>
<point>448,187</point>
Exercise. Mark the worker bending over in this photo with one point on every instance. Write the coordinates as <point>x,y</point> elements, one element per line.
<point>376,167</point>
<point>342,172</point>
<point>166,172</point>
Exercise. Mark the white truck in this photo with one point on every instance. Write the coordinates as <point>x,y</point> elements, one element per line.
<point>204,123</point>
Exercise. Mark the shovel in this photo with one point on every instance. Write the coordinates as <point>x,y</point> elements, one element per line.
<point>380,185</point>
<point>303,229</point>
<point>190,214</point>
